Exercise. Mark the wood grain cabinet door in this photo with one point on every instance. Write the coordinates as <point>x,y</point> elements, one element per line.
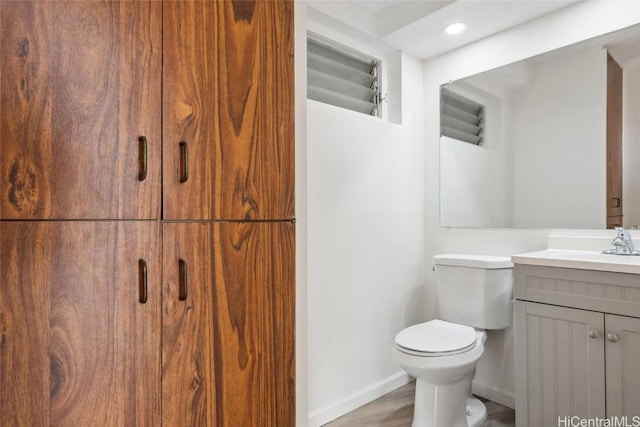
<point>77,347</point>
<point>228,128</point>
<point>80,85</point>
<point>228,324</point>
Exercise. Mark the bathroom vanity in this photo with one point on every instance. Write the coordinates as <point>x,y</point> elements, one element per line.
<point>577,336</point>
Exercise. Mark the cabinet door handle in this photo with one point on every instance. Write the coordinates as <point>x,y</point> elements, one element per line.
<point>142,158</point>
<point>142,281</point>
<point>183,279</point>
<point>184,161</point>
<point>612,337</point>
<point>593,333</point>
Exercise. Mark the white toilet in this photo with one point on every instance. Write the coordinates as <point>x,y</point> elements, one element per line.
<point>474,291</point>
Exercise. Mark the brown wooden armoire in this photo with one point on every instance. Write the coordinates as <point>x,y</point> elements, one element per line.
<point>147,226</point>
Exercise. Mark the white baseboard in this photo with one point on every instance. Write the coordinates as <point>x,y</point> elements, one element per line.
<point>500,396</point>
<point>340,407</point>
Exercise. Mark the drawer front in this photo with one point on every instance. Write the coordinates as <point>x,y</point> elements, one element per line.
<point>608,292</point>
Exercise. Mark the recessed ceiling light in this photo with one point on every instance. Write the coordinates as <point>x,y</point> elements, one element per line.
<point>455,28</point>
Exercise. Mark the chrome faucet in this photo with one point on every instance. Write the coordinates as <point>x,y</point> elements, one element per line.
<point>623,244</point>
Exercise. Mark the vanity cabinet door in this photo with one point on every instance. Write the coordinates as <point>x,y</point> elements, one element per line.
<point>623,369</point>
<point>560,364</point>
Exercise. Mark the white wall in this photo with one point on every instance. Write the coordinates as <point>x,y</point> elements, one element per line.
<point>494,377</point>
<point>561,110</point>
<point>631,144</point>
<point>475,188</point>
<point>365,231</point>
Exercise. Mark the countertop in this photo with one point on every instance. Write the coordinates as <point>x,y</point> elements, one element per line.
<point>584,260</point>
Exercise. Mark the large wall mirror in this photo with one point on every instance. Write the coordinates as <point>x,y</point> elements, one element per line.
<point>539,157</point>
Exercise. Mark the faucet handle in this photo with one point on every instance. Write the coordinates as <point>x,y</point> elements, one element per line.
<point>622,233</point>
<point>619,239</point>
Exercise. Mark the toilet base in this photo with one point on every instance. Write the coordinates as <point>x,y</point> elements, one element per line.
<point>449,404</point>
<point>476,412</point>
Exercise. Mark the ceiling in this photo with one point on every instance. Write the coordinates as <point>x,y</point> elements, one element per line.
<point>415,26</point>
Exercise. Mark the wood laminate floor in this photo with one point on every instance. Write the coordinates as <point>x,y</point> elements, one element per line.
<point>396,410</point>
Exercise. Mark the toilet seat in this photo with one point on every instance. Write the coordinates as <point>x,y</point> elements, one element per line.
<point>436,338</point>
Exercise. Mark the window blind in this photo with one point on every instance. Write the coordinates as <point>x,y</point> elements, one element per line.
<point>342,79</point>
<point>461,118</point>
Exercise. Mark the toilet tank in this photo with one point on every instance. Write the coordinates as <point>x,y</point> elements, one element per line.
<point>475,290</point>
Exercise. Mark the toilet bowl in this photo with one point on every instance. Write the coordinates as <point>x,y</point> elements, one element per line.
<point>443,377</point>
<point>474,293</point>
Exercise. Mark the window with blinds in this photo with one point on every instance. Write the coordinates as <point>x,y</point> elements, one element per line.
<point>342,78</point>
<point>461,118</point>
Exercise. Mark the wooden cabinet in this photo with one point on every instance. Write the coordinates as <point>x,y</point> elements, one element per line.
<point>77,347</point>
<point>155,131</point>
<point>80,84</point>
<point>576,359</point>
<point>227,348</point>
<point>84,90</point>
<point>228,110</point>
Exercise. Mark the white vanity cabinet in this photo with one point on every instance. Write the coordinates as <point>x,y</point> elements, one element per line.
<point>577,344</point>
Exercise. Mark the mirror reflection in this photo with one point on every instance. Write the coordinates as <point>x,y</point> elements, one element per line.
<point>552,141</point>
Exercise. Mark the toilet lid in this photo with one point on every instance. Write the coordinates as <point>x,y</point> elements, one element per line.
<point>437,336</point>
